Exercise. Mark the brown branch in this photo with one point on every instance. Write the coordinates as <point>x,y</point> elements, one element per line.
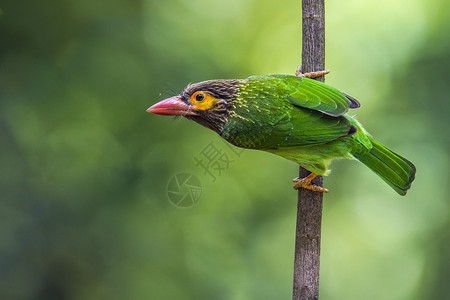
<point>309,207</point>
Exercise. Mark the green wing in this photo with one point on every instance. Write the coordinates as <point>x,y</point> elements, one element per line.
<point>281,111</point>
<point>300,127</point>
<point>312,94</point>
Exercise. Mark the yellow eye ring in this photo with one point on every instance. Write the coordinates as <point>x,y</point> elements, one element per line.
<point>202,100</point>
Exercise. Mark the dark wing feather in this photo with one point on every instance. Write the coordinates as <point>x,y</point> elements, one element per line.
<point>353,102</point>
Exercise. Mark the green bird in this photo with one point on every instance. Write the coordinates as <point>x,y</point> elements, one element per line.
<point>298,118</point>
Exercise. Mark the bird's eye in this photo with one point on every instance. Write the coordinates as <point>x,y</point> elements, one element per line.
<point>200,97</point>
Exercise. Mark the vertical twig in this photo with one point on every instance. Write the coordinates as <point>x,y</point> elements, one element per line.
<point>309,207</point>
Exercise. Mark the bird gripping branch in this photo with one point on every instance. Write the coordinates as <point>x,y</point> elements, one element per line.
<point>298,118</point>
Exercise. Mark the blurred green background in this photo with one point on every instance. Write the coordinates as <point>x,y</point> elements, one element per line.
<point>85,171</point>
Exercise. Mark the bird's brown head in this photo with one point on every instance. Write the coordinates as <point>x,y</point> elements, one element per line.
<point>207,103</point>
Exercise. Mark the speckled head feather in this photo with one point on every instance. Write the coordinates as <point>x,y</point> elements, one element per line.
<point>223,90</point>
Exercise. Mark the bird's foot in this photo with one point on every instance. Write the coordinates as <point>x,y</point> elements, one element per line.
<point>306,184</point>
<point>299,73</point>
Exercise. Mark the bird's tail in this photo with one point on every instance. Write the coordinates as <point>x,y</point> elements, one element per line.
<point>395,170</point>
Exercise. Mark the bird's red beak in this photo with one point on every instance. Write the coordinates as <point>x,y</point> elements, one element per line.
<point>171,107</point>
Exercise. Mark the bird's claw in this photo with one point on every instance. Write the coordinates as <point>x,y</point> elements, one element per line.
<point>305,183</point>
<point>299,73</point>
